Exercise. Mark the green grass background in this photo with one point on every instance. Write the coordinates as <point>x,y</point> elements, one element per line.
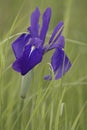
<point>42,107</point>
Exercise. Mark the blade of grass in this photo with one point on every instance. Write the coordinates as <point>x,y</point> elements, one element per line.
<point>48,90</point>
<point>51,116</point>
<point>56,127</point>
<point>78,116</point>
<point>11,37</point>
<point>76,42</point>
<point>68,4</point>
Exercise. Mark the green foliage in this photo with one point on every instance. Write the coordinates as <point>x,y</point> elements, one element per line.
<point>49,105</point>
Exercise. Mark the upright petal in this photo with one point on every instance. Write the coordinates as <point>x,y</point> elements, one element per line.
<point>45,23</point>
<point>34,28</point>
<point>60,63</point>
<point>19,43</point>
<point>57,32</point>
<point>29,59</point>
<point>60,44</point>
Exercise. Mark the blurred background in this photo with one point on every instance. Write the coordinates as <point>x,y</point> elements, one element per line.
<point>41,111</point>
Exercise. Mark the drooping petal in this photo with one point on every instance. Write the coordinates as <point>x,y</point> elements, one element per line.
<point>29,59</point>
<point>57,32</point>
<point>45,23</point>
<point>34,28</point>
<point>19,43</point>
<point>48,77</point>
<point>60,63</point>
<point>20,62</point>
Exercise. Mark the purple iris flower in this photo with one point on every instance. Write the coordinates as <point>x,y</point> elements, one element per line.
<point>29,48</point>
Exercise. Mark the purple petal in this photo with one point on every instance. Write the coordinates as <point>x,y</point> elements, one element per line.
<point>60,63</point>
<point>45,23</point>
<point>57,32</point>
<point>60,44</point>
<point>37,42</point>
<point>48,77</point>
<point>34,28</point>
<point>29,59</point>
<point>19,43</point>
<point>17,65</point>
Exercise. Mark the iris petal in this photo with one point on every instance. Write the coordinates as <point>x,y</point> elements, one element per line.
<point>45,23</point>
<point>60,44</point>
<point>48,77</point>
<point>36,42</point>
<point>57,32</point>
<point>60,63</point>
<point>34,28</point>
<point>19,44</point>
<point>28,60</point>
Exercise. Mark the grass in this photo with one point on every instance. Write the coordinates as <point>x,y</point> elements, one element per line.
<point>30,103</point>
